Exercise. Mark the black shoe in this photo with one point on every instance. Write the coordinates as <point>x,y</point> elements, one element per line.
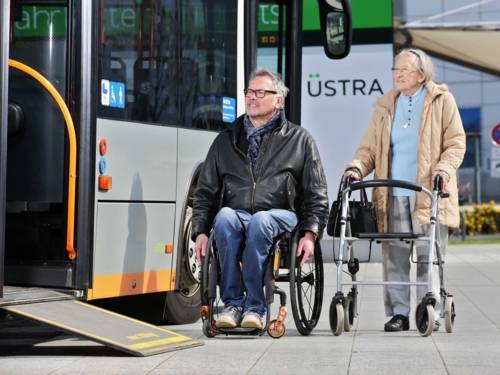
<point>397,323</point>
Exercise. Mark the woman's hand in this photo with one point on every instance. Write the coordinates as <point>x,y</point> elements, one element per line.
<point>445,177</point>
<point>351,173</point>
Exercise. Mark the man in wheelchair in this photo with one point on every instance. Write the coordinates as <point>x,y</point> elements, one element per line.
<point>262,177</point>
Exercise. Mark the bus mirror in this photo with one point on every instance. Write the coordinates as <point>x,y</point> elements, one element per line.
<point>336,31</point>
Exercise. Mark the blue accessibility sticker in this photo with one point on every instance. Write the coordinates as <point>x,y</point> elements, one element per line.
<point>228,109</point>
<point>116,94</point>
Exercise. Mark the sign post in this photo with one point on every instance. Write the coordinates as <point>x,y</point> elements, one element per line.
<point>495,162</point>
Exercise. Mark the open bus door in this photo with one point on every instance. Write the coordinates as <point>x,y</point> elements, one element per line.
<point>38,262</point>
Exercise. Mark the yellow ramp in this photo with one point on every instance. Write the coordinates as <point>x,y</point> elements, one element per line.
<point>106,327</point>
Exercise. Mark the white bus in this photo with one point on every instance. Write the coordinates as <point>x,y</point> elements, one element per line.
<point>112,105</point>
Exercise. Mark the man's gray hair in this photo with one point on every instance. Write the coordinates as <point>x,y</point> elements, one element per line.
<point>278,83</point>
<point>422,62</point>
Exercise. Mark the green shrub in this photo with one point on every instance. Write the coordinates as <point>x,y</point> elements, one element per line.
<point>482,219</point>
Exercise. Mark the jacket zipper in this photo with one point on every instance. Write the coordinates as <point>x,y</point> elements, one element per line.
<point>252,202</point>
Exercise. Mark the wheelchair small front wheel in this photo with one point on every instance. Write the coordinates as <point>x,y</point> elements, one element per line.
<point>208,329</point>
<point>276,329</point>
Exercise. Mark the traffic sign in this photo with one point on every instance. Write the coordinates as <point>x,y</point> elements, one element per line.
<point>495,135</point>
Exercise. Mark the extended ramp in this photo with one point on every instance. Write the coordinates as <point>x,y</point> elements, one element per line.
<point>103,326</point>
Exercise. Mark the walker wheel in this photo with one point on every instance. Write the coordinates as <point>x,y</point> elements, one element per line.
<point>449,313</point>
<point>336,318</point>
<point>276,329</point>
<point>208,330</point>
<point>425,318</point>
<point>347,314</point>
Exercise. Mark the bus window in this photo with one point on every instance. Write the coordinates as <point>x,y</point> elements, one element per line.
<point>172,62</point>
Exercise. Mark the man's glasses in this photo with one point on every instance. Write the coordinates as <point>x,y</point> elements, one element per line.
<point>260,93</point>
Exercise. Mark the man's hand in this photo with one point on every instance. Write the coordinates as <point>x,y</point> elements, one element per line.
<point>306,247</point>
<point>201,246</point>
<point>445,177</point>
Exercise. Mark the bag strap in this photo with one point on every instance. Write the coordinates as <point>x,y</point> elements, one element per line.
<point>363,197</point>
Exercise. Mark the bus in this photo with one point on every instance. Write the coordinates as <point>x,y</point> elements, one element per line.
<point>111,107</point>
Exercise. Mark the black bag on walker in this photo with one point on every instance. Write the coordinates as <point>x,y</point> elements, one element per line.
<point>361,215</point>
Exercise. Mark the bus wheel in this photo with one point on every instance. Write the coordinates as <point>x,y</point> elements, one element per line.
<point>183,306</point>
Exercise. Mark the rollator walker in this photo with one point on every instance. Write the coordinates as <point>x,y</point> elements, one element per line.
<point>344,308</point>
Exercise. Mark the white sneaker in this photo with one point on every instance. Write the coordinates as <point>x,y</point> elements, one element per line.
<point>252,319</point>
<point>229,318</point>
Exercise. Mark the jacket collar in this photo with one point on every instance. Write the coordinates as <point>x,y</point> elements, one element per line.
<point>387,102</point>
<point>237,126</point>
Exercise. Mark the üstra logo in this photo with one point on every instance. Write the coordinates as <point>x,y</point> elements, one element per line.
<point>316,86</point>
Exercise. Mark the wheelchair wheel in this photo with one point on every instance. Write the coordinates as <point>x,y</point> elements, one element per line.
<point>276,329</point>
<point>208,286</point>
<point>449,314</point>
<point>425,317</point>
<point>306,288</point>
<point>336,318</point>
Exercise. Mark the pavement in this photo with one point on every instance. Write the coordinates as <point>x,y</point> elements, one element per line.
<point>472,275</point>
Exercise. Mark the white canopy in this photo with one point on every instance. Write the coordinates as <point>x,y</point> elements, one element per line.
<point>475,46</point>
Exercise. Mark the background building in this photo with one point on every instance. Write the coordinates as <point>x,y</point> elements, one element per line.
<point>477,93</point>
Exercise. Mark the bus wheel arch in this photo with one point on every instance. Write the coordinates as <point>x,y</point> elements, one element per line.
<point>182,306</point>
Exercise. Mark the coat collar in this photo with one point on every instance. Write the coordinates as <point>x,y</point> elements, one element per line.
<point>388,101</point>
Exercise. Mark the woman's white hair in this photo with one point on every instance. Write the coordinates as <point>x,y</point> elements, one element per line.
<point>421,61</point>
<point>278,83</point>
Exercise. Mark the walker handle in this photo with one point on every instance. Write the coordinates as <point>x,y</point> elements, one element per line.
<point>385,183</point>
<point>438,186</point>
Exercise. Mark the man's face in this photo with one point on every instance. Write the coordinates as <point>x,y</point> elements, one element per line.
<point>262,108</point>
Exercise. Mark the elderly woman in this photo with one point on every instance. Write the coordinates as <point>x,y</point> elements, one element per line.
<point>414,134</point>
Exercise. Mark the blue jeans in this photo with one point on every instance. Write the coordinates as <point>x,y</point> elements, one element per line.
<point>246,238</point>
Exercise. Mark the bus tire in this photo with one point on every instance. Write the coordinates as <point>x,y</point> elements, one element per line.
<point>182,309</point>
<point>183,306</point>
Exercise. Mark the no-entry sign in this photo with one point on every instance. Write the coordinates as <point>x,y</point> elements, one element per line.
<point>495,135</point>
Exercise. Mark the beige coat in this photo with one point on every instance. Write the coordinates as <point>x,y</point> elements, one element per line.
<point>441,146</point>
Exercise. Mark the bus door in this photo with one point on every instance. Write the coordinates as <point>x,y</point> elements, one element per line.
<point>37,157</point>
<point>279,46</point>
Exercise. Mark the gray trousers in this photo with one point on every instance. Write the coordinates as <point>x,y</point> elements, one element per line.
<point>396,259</point>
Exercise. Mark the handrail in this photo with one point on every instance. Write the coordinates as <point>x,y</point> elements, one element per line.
<point>70,226</point>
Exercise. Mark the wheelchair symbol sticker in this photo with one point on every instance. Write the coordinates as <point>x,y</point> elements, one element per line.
<point>105,92</point>
<point>112,94</point>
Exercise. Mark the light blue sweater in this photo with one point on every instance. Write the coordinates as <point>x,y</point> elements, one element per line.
<point>404,139</point>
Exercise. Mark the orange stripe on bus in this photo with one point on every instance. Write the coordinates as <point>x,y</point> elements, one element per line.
<point>115,285</point>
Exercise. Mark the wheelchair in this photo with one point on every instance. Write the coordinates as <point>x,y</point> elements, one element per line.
<point>306,289</point>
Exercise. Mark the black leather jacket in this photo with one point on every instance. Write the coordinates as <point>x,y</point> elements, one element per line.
<point>288,175</point>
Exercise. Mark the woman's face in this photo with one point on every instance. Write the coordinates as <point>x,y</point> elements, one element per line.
<point>407,77</point>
